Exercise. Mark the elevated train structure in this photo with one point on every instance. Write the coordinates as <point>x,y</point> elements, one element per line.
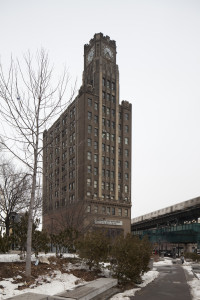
<point>176,224</point>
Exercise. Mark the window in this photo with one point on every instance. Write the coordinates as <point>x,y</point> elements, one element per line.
<point>112,187</point>
<point>107,173</point>
<point>126,152</point>
<point>108,83</point>
<point>126,140</point>
<point>89,155</point>
<point>89,102</point>
<point>108,97</point>
<point>104,82</point>
<point>95,145</point>
<point>107,186</point>
<point>108,210</point>
<point>126,212</point>
<point>88,194</point>
<point>104,95</point>
<point>126,188</point>
<point>103,147</point>
<point>119,163</point>
<point>89,129</point>
<point>104,122</point>
<point>112,148</point>
<point>103,135</point>
<point>95,195</point>
<point>89,181</point>
<point>126,116</point>
<point>89,115</point>
<point>126,164</point>
<point>119,127</point>
<point>119,175</point>
<point>113,112</point>
<point>126,128</point>
<point>112,162</point>
<point>103,209</point>
<point>119,188</point>
<point>96,106</point>
<point>113,125</point>
<point>108,136</point>
<point>108,123</point>
<point>108,110</point>
<point>119,139</point>
<point>112,174</point>
<point>103,185</point>
<point>113,211</point>
<point>103,172</point>
<point>119,212</point>
<point>96,119</point>
<point>107,148</point>
<point>120,115</point>
<point>96,132</point>
<point>88,208</point>
<point>95,209</point>
<point>119,151</point>
<point>89,142</point>
<point>103,160</point>
<point>95,184</point>
<point>95,158</point>
<point>113,85</point>
<point>103,109</point>
<point>89,169</point>
<point>95,171</point>
<point>126,176</point>
<point>107,161</point>
<point>113,99</point>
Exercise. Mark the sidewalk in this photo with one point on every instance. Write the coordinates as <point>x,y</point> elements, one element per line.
<point>170,284</point>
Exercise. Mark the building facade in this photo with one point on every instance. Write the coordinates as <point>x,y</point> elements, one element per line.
<point>87,151</point>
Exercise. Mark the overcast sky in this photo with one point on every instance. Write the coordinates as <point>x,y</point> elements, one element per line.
<point>158,53</point>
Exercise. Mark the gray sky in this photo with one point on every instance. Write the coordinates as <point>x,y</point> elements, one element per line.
<point>158,45</point>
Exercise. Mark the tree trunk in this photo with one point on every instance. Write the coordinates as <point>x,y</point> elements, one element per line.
<point>7,225</point>
<point>30,222</point>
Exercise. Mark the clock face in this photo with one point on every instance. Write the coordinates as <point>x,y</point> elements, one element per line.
<point>108,52</point>
<point>90,55</point>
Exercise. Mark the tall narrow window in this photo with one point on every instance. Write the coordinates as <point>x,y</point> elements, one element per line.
<point>89,115</point>
<point>89,155</point>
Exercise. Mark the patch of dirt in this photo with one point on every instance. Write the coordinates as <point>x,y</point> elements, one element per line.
<point>16,270</point>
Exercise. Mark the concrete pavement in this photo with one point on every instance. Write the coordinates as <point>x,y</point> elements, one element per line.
<point>171,284</point>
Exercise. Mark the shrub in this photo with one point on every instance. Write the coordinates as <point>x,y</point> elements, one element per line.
<point>93,247</point>
<point>40,241</point>
<point>5,243</point>
<point>130,258</point>
<point>194,256</point>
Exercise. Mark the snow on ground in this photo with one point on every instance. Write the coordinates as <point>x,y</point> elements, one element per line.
<point>60,282</point>
<point>147,278</point>
<point>195,283</point>
<point>55,285</point>
<point>16,257</point>
<point>164,262</point>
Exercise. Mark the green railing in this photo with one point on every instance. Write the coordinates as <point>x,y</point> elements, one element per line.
<point>186,233</point>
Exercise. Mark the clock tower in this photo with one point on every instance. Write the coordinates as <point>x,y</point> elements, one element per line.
<point>101,76</point>
<point>93,166</point>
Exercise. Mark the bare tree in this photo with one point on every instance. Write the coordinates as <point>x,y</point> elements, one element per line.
<point>30,99</point>
<point>74,217</point>
<point>15,192</point>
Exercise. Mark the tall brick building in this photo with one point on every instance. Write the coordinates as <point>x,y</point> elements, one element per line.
<point>87,151</point>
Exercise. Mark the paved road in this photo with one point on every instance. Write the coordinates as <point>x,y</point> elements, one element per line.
<point>170,284</point>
